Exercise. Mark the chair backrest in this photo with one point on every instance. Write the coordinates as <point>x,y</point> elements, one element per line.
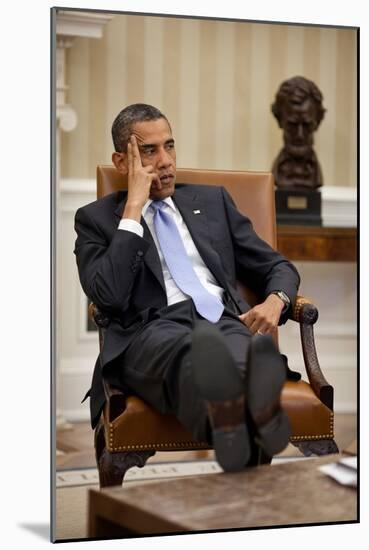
<point>253,192</point>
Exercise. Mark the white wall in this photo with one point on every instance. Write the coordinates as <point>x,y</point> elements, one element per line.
<point>78,347</point>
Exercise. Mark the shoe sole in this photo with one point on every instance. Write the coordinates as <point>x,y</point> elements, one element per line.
<point>220,384</point>
<point>265,379</point>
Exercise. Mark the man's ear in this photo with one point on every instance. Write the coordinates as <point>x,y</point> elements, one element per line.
<point>120,161</point>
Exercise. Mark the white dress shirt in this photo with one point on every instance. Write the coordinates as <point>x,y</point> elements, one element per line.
<point>174,294</point>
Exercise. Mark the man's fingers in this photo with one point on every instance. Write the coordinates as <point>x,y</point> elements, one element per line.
<point>258,322</point>
<point>251,325</point>
<point>150,171</point>
<point>255,326</point>
<point>266,326</point>
<point>135,153</point>
<point>247,319</point>
<point>130,158</point>
<point>244,317</point>
<point>264,329</point>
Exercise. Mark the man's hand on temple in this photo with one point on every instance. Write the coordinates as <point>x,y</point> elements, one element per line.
<point>140,179</point>
<point>264,317</point>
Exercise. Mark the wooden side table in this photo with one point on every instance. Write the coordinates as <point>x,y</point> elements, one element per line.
<point>292,493</point>
<point>317,244</point>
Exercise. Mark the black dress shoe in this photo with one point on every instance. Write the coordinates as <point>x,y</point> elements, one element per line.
<point>220,384</point>
<point>258,456</point>
<point>265,377</point>
<point>290,374</point>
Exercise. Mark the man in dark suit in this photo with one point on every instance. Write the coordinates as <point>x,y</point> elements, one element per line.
<point>162,260</point>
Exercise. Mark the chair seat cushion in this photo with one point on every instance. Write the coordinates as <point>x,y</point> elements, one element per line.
<point>140,427</point>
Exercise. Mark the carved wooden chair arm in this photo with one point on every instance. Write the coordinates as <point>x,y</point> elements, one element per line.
<point>100,318</point>
<point>306,314</point>
<point>304,311</point>
<point>115,398</point>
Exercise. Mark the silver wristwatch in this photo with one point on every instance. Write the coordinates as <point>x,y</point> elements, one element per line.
<point>283,296</point>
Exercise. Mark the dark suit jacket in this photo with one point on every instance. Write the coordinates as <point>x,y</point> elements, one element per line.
<point>121,272</point>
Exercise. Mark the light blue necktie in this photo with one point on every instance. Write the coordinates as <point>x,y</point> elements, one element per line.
<point>180,267</point>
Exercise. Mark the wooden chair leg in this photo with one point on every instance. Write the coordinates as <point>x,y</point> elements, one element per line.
<point>113,466</point>
<point>319,447</point>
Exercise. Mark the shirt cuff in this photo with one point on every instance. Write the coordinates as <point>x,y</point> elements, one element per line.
<point>132,226</point>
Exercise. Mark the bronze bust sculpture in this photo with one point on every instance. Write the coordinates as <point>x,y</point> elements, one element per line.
<point>299,110</point>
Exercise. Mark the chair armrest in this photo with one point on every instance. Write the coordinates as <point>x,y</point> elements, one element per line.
<point>115,401</point>
<point>115,398</point>
<point>306,314</point>
<point>304,311</point>
<point>100,318</point>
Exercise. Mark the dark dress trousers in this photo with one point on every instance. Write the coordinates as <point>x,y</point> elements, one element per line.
<point>121,272</point>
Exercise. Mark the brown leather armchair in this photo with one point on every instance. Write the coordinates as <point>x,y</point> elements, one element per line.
<point>130,431</point>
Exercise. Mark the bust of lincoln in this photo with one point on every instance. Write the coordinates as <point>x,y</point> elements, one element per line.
<point>298,108</point>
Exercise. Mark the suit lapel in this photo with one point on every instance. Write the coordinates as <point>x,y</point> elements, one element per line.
<point>151,258</point>
<point>195,215</point>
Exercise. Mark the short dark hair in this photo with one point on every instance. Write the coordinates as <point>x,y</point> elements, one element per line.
<point>122,125</point>
<point>296,90</point>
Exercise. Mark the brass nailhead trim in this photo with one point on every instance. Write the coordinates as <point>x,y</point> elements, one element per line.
<point>156,446</point>
<point>298,306</point>
<point>192,445</point>
<point>309,437</point>
<point>159,446</point>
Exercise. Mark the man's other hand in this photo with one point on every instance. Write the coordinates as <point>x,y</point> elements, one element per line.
<point>264,317</point>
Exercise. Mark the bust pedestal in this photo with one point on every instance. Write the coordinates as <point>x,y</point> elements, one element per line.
<point>298,207</point>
